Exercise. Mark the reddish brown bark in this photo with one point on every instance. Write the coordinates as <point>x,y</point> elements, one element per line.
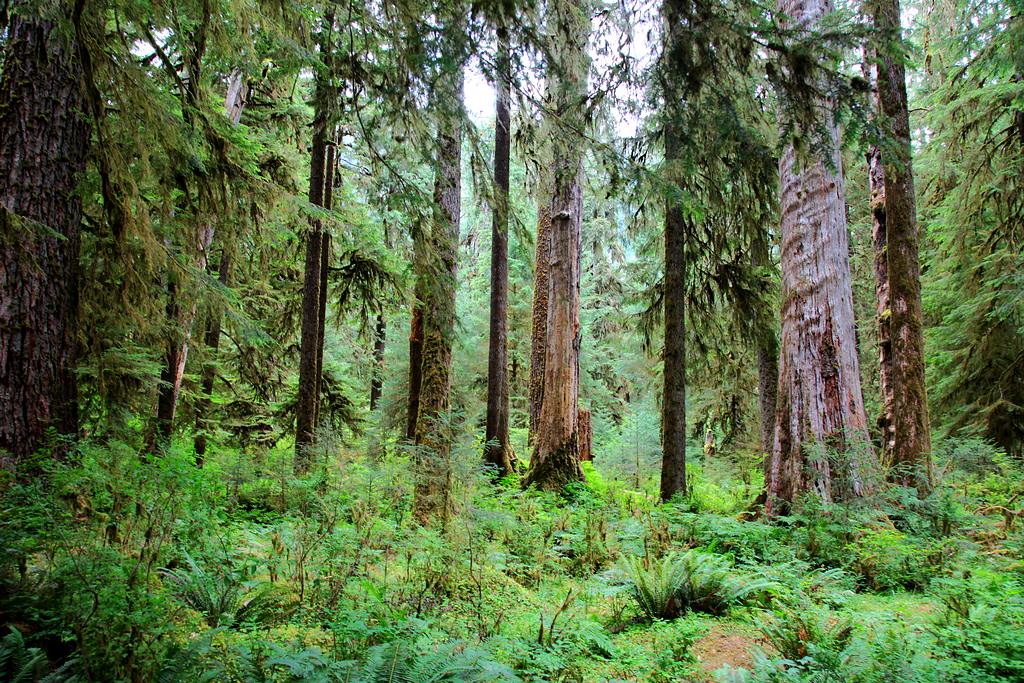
<point>497,451</point>
<point>539,325</point>
<point>821,440</point>
<point>586,432</point>
<point>555,459</point>
<point>43,143</point>
<point>433,430</point>
<point>909,455</point>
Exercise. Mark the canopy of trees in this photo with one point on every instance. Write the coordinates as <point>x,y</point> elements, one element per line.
<point>352,341</point>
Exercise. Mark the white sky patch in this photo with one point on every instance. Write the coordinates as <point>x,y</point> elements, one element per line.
<point>479,95</point>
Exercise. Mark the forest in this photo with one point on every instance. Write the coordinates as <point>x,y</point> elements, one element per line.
<point>413,341</point>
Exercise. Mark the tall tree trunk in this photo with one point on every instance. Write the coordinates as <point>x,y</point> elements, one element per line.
<point>212,341</point>
<point>910,454</point>
<point>308,398</point>
<point>377,375</point>
<point>420,246</point>
<point>433,430</point>
<point>43,142</point>
<point>539,317</point>
<point>325,260</point>
<point>821,408</point>
<point>879,240</point>
<point>767,358</point>
<point>673,406</point>
<point>497,451</point>
<point>181,315</point>
<point>555,459</point>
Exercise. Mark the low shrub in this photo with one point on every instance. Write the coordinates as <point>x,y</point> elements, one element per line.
<point>692,581</point>
<point>886,559</point>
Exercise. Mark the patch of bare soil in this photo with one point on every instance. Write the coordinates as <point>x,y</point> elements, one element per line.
<point>720,647</point>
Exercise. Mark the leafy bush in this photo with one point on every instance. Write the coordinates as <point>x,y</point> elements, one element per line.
<point>414,656</point>
<point>809,641</point>
<point>887,559</point>
<point>745,540</point>
<point>692,581</point>
<point>982,630</point>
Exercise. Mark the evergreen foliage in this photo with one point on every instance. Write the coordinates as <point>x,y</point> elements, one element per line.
<point>169,537</point>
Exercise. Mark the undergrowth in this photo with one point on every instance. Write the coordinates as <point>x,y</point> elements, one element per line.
<point>118,569</point>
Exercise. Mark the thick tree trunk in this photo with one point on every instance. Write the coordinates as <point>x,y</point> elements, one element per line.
<point>308,398</point>
<point>377,375</point>
<point>767,359</point>
<point>497,451</point>
<point>43,143</point>
<point>433,429</point>
<point>910,454</point>
<point>212,341</point>
<point>325,260</point>
<point>555,459</point>
<point>673,405</point>
<point>821,439</point>
<point>539,318</point>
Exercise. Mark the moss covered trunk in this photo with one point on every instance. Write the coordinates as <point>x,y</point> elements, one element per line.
<point>433,429</point>
<point>380,336</point>
<point>909,448</point>
<point>325,261</point>
<point>497,451</point>
<point>767,356</point>
<point>308,398</point>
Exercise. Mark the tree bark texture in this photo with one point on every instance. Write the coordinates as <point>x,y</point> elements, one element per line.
<point>555,459</point>
<point>43,142</point>
<point>539,318</point>
<point>821,440</point>
<point>433,429</point>
<point>325,261</point>
<point>910,454</point>
<point>586,432</point>
<point>497,450</point>
<point>673,405</point>
<point>879,239</point>
<point>308,398</point>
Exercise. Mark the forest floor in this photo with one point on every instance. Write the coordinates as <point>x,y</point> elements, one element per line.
<point>252,574</point>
